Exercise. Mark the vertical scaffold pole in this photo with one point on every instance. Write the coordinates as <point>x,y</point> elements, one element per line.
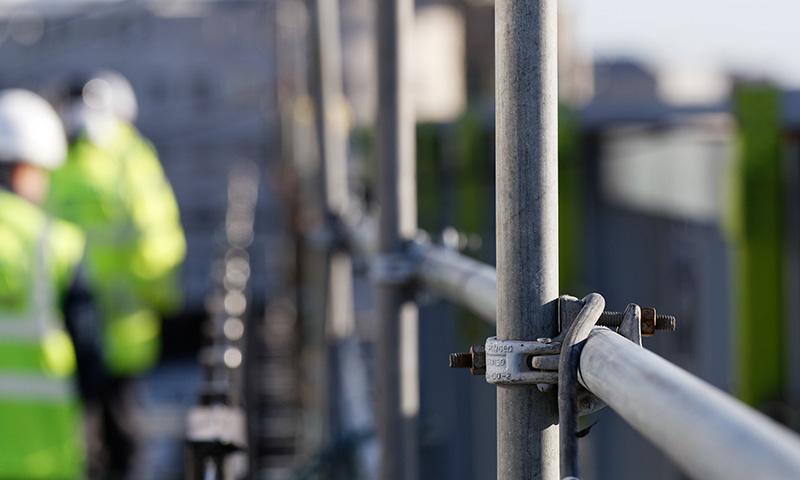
<point>332,131</point>
<point>329,101</point>
<point>527,225</point>
<point>396,381</point>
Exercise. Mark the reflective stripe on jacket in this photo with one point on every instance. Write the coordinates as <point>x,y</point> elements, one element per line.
<point>40,417</point>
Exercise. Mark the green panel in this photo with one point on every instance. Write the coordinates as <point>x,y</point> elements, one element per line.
<point>474,154</point>
<point>757,227</point>
<point>474,198</point>
<point>428,177</point>
<point>570,196</point>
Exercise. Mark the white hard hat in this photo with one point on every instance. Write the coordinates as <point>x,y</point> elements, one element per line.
<point>30,130</point>
<point>109,91</point>
<point>95,101</point>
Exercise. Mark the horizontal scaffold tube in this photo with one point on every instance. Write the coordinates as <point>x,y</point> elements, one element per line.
<point>461,279</point>
<point>362,238</point>
<point>707,433</point>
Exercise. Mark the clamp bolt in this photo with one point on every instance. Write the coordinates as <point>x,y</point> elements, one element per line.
<point>475,360</point>
<point>460,360</point>
<point>650,321</point>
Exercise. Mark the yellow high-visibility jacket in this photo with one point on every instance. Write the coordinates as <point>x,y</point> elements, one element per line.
<point>116,190</point>
<point>40,414</point>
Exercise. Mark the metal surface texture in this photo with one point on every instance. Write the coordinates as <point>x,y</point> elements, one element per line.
<point>707,433</point>
<point>527,224</point>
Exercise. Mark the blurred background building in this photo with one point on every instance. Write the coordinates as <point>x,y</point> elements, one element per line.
<point>204,76</point>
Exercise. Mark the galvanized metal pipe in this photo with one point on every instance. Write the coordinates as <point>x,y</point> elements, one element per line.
<point>527,224</point>
<point>707,433</point>
<point>461,279</point>
<point>330,108</point>
<point>356,412</point>
<point>332,154</point>
<point>319,261</point>
<point>397,388</point>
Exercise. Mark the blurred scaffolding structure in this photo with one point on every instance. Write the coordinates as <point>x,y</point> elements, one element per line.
<point>625,188</point>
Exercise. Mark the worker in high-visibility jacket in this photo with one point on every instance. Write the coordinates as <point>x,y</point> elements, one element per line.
<point>113,186</point>
<point>41,433</point>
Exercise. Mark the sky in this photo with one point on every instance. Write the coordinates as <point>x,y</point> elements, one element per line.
<point>695,38</point>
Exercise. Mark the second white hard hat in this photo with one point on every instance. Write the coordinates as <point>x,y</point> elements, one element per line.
<point>110,91</point>
<point>30,130</point>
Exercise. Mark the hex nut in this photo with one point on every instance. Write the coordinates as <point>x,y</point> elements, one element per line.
<point>648,321</point>
<point>478,353</point>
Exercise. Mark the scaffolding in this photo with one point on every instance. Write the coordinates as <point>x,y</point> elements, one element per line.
<point>553,357</point>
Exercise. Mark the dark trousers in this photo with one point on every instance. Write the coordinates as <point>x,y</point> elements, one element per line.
<point>113,433</point>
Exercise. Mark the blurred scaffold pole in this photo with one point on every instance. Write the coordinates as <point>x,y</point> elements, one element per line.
<point>352,420</point>
<point>397,381</point>
<point>340,414</point>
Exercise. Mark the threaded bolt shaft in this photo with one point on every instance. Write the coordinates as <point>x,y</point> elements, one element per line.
<point>666,323</point>
<point>460,360</point>
<point>614,319</point>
